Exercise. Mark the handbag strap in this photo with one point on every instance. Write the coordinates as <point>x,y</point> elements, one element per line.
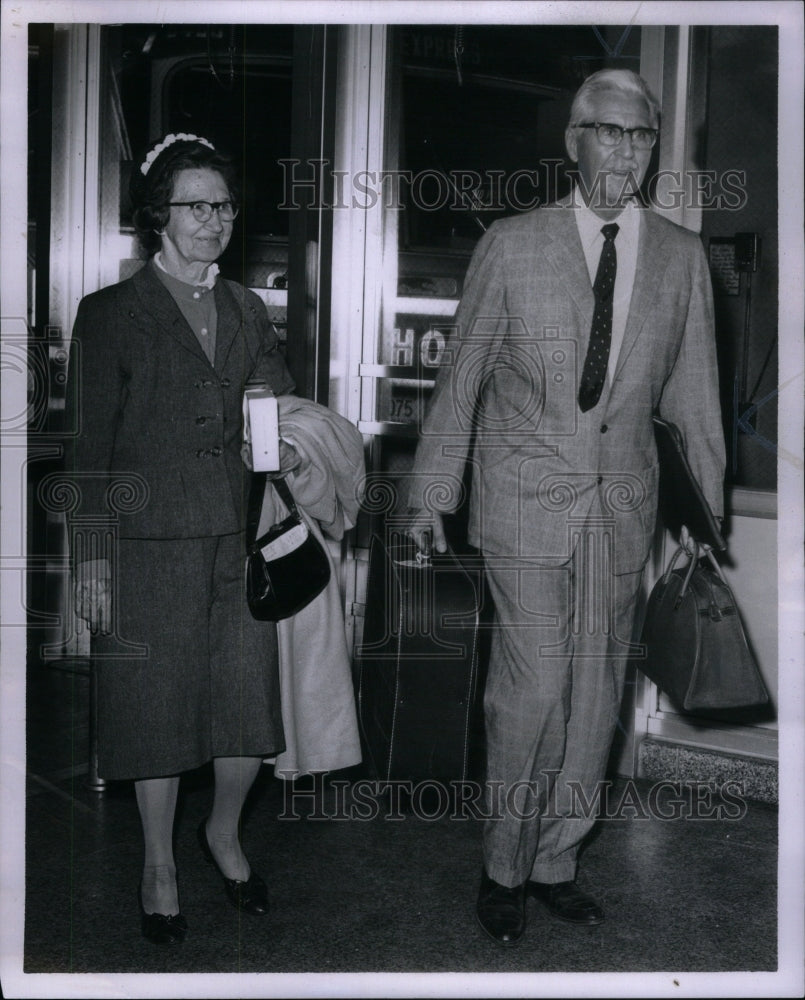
<point>255,506</point>
<point>284,491</point>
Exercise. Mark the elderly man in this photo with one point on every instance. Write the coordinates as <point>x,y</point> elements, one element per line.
<point>579,322</point>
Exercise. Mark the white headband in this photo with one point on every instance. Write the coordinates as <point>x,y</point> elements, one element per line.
<point>168,141</point>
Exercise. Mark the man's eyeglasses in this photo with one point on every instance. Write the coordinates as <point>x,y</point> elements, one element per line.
<point>202,210</point>
<point>612,135</point>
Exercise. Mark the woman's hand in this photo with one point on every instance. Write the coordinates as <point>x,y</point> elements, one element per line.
<point>290,458</point>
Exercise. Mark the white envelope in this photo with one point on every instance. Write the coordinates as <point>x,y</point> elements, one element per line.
<point>261,429</point>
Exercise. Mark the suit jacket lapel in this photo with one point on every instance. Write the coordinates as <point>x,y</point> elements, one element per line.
<point>157,301</point>
<point>651,266</point>
<point>230,320</point>
<point>565,253</point>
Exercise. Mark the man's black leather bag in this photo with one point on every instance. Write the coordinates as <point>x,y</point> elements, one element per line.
<point>696,649</point>
<point>419,686</point>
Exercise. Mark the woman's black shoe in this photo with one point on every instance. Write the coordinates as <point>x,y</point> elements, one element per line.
<point>161,928</point>
<point>250,896</point>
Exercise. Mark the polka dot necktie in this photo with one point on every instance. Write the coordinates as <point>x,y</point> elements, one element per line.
<point>594,372</point>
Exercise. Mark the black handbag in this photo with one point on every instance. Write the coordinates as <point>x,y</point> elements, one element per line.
<point>695,647</point>
<point>287,567</point>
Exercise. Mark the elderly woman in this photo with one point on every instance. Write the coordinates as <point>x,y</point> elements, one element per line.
<point>185,675</point>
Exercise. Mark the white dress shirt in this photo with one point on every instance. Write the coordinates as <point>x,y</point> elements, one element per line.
<point>592,240</point>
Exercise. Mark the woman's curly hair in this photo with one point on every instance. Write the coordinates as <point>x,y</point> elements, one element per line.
<point>151,192</point>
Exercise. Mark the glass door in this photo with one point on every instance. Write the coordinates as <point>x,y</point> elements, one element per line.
<point>108,92</point>
<point>474,132</point>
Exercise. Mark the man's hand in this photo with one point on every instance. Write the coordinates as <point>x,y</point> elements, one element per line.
<point>688,543</point>
<point>426,528</point>
<point>93,602</point>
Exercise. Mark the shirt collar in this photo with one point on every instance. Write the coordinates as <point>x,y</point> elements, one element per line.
<point>590,224</point>
<point>209,277</point>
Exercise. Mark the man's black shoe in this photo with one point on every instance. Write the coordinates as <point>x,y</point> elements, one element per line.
<point>567,902</point>
<point>501,910</point>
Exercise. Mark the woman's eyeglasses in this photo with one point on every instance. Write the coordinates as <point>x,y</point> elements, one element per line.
<point>202,210</point>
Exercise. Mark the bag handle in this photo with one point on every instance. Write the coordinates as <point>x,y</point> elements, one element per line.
<point>688,574</point>
<point>715,611</point>
<point>694,561</point>
<point>281,486</point>
<point>717,568</point>
<point>667,574</point>
<point>255,507</point>
<point>423,558</point>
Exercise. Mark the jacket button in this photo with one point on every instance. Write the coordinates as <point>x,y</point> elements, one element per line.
<point>201,420</point>
<point>225,383</point>
<point>604,428</point>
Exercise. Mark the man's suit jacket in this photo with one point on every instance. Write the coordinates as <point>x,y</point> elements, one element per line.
<point>159,427</point>
<point>506,392</point>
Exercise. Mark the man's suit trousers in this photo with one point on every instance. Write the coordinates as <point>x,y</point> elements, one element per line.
<point>556,673</point>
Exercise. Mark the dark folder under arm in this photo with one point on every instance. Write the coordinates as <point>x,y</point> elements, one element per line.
<point>681,497</point>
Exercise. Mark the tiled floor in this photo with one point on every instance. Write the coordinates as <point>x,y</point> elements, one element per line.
<point>371,895</point>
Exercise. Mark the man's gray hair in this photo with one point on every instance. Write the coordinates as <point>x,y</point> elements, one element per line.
<point>622,81</point>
